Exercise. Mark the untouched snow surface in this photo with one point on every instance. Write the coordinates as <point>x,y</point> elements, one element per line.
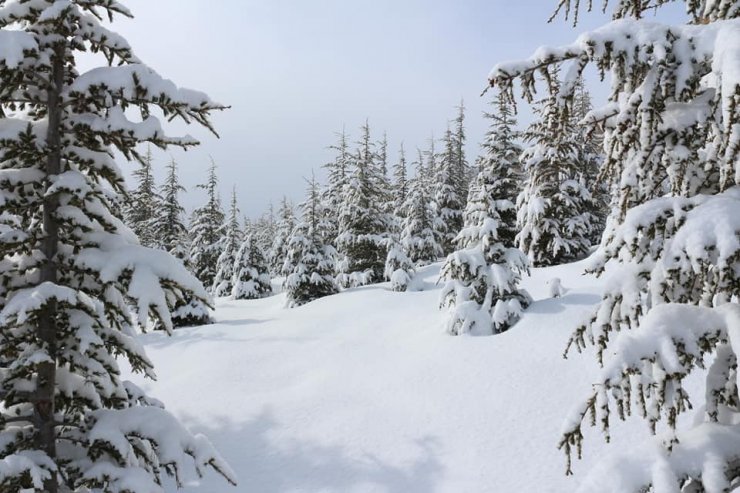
<point>365,392</point>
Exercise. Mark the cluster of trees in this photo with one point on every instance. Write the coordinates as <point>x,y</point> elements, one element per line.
<point>372,221</point>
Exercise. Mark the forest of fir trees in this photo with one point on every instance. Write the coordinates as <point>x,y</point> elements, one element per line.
<point>379,217</point>
<point>652,178</point>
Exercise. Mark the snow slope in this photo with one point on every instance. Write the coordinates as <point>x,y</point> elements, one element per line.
<point>364,392</point>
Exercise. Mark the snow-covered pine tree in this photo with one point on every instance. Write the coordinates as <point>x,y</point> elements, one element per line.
<point>481,277</point>
<point>171,235</point>
<point>400,182</point>
<point>500,144</point>
<point>589,158</point>
<point>232,239</point>
<point>70,270</point>
<point>552,208</point>
<point>337,172</point>
<point>671,131</point>
<point>206,225</point>
<point>251,275</point>
<point>362,225</point>
<point>449,204</point>
<point>465,174</point>
<point>310,255</point>
<point>169,228</point>
<point>141,210</point>
<point>264,230</point>
<point>283,229</point>
<point>399,269</point>
<point>417,235</point>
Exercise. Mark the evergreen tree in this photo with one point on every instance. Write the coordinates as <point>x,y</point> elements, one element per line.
<point>449,205</point>
<point>232,239</point>
<point>553,205</point>
<point>671,131</point>
<point>283,229</point>
<point>172,236</point>
<point>310,255</point>
<point>462,169</point>
<point>74,281</point>
<point>362,225</point>
<point>482,275</point>
<point>169,229</point>
<point>417,235</point>
<point>206,231</point>
<point>251,276</point>
<point>264,230</point>
<point>589,157</point>
<point>399,269</point>
<point>500,145</point>
<point>400,182</point>
<point>337,177</point>
<point>141,208</point>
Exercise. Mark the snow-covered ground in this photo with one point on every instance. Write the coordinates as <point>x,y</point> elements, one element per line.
<point>364,392</point>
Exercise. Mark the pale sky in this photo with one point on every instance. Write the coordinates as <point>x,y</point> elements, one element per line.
<point>296,71</point>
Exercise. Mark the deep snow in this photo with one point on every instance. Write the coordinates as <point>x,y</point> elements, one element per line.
<point>365,392</point>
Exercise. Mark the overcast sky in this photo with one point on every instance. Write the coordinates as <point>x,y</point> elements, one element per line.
<point>294,72</point>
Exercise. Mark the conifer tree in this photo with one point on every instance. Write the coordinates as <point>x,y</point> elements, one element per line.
<point>283,229</point>
<point>589,157</point>
<point>362,225</point>
<point>251,276</point>
<point>337,177</point>
<point>206,226</point>
<point>482,275</point>
<point>169,229</point>
<point>264,230</point>
<point>310,255</point>
<point>141,207</point>
<point>448,203</point>
<point>400,182</point>
<point>74,281</point>
<point>553,205</point>
<point>231,240</point>
<point>671,131</point>
<point>399,269</point>
<point>172,236</point>
<point>462,169</point>
<point>417,235</point>
<point>500,144</point>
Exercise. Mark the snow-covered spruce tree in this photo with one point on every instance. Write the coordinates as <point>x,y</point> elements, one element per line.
<point>251,276</point>
<point>500,145</point>
<point>481,289</point>
<point>310,255</point>
<point>283,229</point>
<point>362,225</point>
<point>170,232</point>
<point>264,230</point>
<point>449,204</point>
<point>552,207</point>
<point>231,240</point>
<point>206,227</point>
<point>671,131</point>
<point>399,269</point>
<point>70,270</point>
<point>589,157</point>
<point>337,172</point>
<point>141,209</point>
<point>400,182</point>
<point>171,235</point>
<point>417,235</point>
<point>463,171</point>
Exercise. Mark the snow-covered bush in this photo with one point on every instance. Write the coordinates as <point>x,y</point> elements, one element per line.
<point>70,270</point>
<point>251,276</point>
<point>399,269</point>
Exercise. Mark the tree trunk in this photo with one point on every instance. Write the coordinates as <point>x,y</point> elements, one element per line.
<point>44,405</point>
